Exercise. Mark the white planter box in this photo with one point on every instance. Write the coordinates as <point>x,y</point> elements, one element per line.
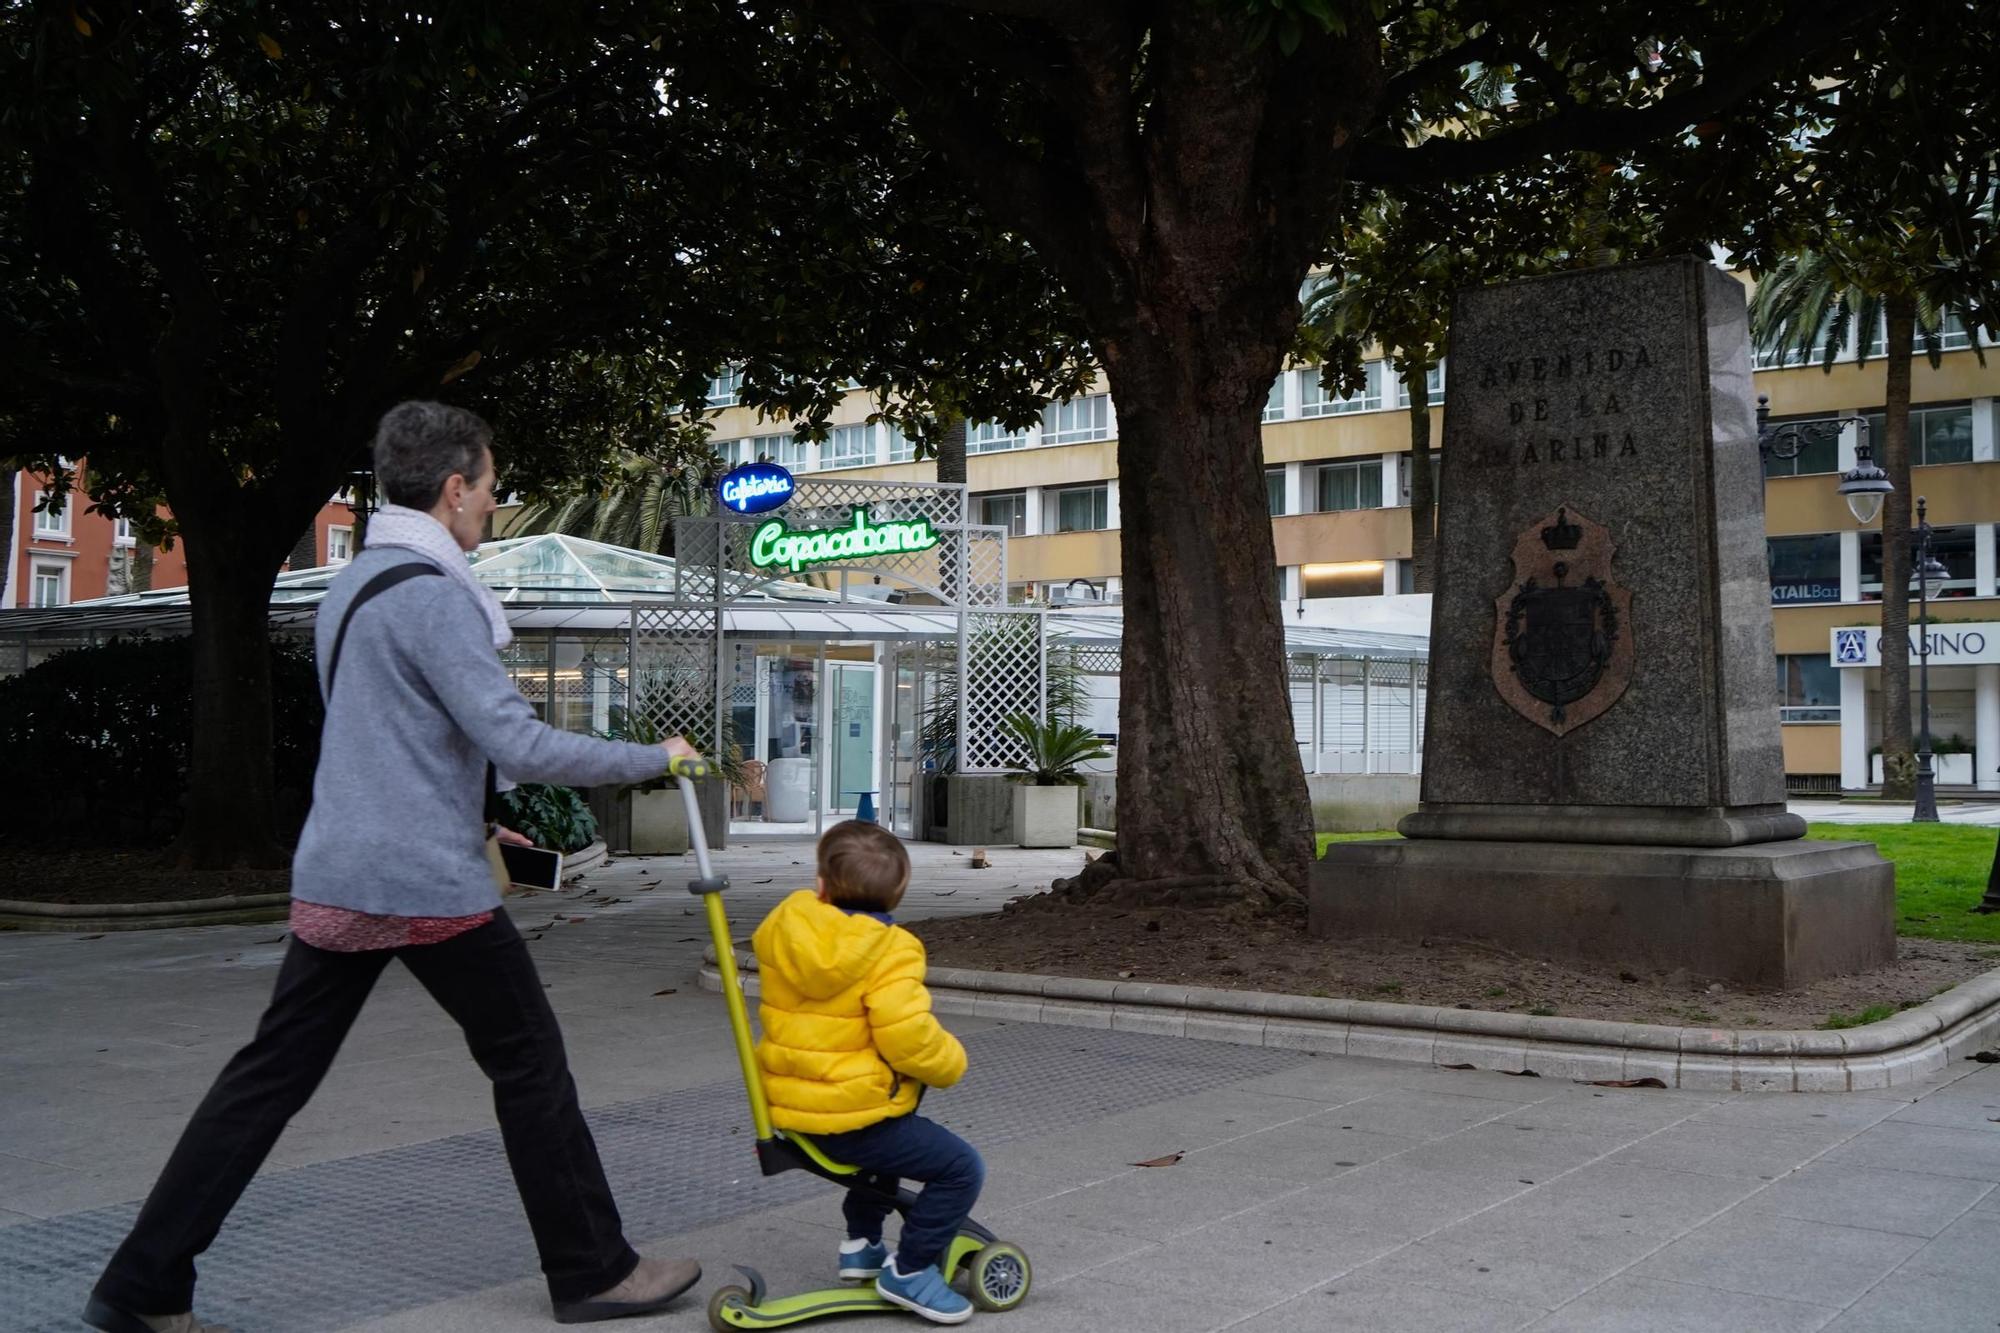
<point>659,823</point>
<point>1947,770</point>
<point>1045,816</point>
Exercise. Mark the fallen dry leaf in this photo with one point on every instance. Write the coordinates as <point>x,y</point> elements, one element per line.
<point>1458,1066</point>
<point>1168,1160</point>
<point>1623,1082</point>
<point>1520,1073</point>
<point>671,990</point>
<point>1986,1057</point>
<point>90,937</point>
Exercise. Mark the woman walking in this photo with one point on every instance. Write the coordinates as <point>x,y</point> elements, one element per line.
<point>419,714</point>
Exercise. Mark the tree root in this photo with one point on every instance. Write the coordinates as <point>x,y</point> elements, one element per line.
<point>1102,882</point>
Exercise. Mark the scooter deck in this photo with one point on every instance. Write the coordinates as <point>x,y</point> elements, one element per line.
<point>780,1311</point>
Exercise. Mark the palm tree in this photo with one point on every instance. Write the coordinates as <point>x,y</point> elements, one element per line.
<point>1809,307</point>
<point>636,509</point>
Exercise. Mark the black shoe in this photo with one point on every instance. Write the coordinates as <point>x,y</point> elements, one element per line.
<point>101,1314</point>
<point>652,1286</point>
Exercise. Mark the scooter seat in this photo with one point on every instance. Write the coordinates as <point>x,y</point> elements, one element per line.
<point>789,1150</point>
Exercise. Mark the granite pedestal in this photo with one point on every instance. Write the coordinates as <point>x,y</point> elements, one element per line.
<point>1765,914</point>
<point>1603,775</point>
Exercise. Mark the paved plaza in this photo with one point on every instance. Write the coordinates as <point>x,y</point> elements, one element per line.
<point>1315,1193</point>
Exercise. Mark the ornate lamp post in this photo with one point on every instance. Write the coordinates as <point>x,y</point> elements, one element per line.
<point>1863,487</point>
<point>1928,580</point>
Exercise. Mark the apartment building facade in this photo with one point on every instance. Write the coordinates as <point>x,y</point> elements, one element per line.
<point>1338,476</point>
<point>56,559</point>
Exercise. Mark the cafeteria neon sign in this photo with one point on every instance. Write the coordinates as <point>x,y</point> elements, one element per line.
<point>776,545</point>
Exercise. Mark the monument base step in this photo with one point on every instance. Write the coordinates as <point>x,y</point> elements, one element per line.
<point>1770,914</point>
<point>1662,826</point>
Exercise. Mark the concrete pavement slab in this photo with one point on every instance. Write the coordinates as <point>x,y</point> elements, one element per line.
<point>1900,1145</point>
<point>1372,1305</point>
<point>1761,1254</point>
<point>1630,1304</point>
<point>1917,1205</point>
<point>1735,1150</point>
<point>1902,1304</point>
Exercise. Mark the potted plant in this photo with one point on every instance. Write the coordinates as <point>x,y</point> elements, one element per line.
<point>1045,801</point>
<point>656,815</point>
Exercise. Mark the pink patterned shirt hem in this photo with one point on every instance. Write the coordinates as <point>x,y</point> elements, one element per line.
<point>343,930</point>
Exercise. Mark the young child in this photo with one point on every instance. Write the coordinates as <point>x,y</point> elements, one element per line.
<point>849,1043</point>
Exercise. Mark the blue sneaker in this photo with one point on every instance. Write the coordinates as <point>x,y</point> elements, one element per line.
<point>925,1292</point>
<point>864,1263</point>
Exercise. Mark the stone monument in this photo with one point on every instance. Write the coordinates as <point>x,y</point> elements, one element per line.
<point>1603,778</point>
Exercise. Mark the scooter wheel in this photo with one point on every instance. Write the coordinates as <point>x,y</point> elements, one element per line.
<point>1000,1276</point>
<point>724,1300</point>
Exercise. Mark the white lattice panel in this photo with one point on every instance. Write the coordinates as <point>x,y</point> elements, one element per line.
<point>673,668</point>
<point>1003,676</point>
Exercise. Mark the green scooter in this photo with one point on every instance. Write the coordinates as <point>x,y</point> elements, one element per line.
<point>995,1274</point>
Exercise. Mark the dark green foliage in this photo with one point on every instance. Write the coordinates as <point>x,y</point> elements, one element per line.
<point>97,739</point>
<point>554,817</point>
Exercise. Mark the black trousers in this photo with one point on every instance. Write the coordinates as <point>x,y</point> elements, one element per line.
<point>487,982</point>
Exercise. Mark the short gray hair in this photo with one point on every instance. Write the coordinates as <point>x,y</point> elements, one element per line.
<point>419,445</point>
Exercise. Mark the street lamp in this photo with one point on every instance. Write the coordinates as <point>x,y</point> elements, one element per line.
<point>1863,487</point>
<point>1929,580</point>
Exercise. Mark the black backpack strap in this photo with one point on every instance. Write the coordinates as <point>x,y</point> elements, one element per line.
<point>375,587</point>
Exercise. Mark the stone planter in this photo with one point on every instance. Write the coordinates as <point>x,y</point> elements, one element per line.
<point>659,823</point>
<point>1045,816</point>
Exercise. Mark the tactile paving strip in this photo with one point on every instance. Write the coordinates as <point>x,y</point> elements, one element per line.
<point>325,1246</point>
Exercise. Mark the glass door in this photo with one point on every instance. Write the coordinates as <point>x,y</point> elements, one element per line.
<point>784,714</point>
<point>901,729</point>
<point>851,749</point>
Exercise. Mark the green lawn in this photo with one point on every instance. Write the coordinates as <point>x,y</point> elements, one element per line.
<point>1940,873</point>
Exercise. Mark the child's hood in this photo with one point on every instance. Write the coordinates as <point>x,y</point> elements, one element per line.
<point>817,947</point>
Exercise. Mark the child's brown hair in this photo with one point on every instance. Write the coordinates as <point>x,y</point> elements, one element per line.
<point>863,865</point>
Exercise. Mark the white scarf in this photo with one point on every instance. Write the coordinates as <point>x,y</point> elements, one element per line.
<point>412,529</point>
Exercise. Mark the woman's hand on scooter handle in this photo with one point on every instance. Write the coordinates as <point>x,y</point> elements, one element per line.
<point>683,760</point>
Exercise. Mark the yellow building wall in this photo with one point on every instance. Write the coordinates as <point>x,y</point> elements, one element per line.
<point>1053,465</point>
<point>1359,534</point>
<point>1062,556</point>
<point>1957,492</point>
<point>1811,747</point>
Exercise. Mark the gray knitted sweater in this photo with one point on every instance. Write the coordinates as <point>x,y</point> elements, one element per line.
<point>421,703</point>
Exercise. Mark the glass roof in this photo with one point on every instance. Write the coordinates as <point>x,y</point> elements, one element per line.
<point>548,567</point>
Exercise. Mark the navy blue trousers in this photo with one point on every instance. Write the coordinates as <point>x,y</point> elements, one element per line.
<point>909,1147</point>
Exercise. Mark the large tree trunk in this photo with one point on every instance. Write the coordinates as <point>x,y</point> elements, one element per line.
<point>1899,765</point>
<point>1212,799</point>
<point>231,816</point>
<point>1423,480</point>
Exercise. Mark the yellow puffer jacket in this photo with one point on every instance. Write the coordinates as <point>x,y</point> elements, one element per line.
<point>848,1031</point>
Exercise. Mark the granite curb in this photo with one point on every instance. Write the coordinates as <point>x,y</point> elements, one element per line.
<point>1907,1048</point>
<point>246,909</point>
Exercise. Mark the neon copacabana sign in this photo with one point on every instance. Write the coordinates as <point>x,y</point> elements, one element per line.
<point>777,545</point>
<point>755,488</point>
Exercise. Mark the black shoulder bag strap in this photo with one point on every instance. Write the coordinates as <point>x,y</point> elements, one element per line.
<point>370,590</point>
<point>375,587</point>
